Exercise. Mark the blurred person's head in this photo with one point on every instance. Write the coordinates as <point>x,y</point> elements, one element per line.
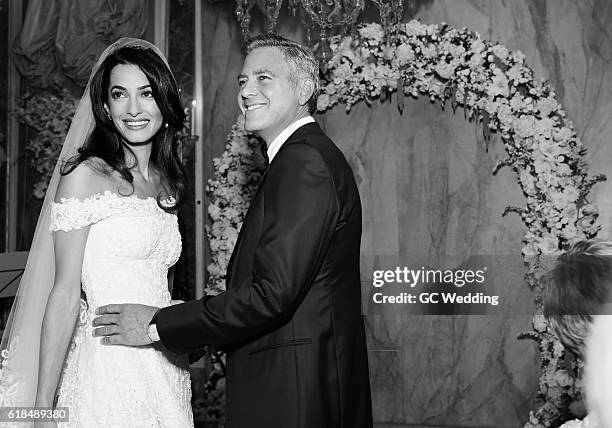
<point>577,287</point>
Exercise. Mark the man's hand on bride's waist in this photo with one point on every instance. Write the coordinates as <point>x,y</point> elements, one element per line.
<point>123,324</point>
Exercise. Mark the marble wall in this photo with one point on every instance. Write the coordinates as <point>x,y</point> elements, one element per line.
<point>430,199</point>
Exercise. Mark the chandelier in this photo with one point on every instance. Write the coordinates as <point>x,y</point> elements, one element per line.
<point>325,17</point>
<point>390,15</point>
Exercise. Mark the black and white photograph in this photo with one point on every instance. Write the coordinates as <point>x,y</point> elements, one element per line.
<point>306,213</point>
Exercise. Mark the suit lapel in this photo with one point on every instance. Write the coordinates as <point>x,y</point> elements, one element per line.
<point>298,135</point>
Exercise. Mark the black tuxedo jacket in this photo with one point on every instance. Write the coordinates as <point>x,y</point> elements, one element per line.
<point>290,320</point>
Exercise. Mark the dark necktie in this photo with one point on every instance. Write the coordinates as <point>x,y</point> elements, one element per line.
<point>264,153</point>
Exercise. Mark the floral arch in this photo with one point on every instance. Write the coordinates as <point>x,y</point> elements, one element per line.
<point>495,87</point>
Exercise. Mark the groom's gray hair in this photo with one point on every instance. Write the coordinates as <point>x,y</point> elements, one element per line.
<point>301,60</point>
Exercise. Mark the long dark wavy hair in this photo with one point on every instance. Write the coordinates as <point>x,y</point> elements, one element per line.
<point>106,143</point>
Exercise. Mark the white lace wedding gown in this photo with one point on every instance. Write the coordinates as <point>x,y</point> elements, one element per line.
<point>130,247</point>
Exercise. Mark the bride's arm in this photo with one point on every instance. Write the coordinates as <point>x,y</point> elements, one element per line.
<point>61,312</point>
<point>64,300</point>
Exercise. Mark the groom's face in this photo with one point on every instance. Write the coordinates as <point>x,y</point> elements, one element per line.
<point>267,96</point>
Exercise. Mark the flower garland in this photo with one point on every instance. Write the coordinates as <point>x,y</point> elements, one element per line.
<point>237,174</point>
<point>493,85</point>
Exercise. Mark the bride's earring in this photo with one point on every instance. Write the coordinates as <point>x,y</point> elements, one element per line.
<point>107,111</point>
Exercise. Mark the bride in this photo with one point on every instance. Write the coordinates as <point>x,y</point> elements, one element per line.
<point>107,230</point>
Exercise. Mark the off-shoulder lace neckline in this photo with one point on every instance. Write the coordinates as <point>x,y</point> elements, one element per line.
<point>108,193</point>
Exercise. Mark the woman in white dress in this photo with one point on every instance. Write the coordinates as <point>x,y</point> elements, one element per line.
<point>107,230</point>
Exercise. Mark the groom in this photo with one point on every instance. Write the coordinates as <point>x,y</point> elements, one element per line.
<point>290,320</point>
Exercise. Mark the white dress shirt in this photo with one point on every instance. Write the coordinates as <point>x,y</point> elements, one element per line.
<point>152,333</point>
<point>277,143</point>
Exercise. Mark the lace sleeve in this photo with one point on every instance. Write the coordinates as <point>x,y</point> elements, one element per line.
<point>72,213</point>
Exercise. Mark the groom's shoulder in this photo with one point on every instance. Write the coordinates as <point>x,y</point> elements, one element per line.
<point>312,135</point>
<point>313,146</point>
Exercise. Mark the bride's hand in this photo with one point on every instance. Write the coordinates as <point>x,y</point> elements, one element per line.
<point>176,302</point>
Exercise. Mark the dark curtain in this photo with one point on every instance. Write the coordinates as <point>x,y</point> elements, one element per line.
<point>63,38</point>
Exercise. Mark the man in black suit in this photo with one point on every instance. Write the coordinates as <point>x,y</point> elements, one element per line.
<point>290,320</point>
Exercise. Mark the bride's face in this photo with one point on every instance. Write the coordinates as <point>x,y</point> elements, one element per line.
<point>131,105</point>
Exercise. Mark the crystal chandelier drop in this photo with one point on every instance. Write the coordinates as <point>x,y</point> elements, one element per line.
<point>390,15</point>
<point>325,17</point>
<point>270,8</point>
<point>328,15</point>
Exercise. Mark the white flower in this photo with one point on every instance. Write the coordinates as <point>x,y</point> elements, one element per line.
<point>477,46</point>
<point>444,70</point>
<point>549,148</point>
<point>500,51</point>
<point>323,102</point>
<point>232,236</point>
<point>491,106</point>
<point>414,28</point>
<point>524,126</point>
<point>518,57</point>
<point>232,214</point>
<point>563,198</point>
<point>237,178</point>
<point>372,31</point>
<point>517,102</point>
<point>499,85</point>
<point>346,49</point>
<point>528,182</point>
<point>432,84</point>
<point>388,52</point>
<point>516,75</point>
<point>476,61</point>
<point>213,211</point>
<point>456,51</point>
<point>539,323</point>
<point>562,134</point>
<point>363,55</point>
<point>40,189</point>
<point>404,54</point>
<point>549,244</point>
<point>547,106</point>
<point>561,376</point>
<point>429,51</point>
<point>504,113</point>
<point>545,168</point>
